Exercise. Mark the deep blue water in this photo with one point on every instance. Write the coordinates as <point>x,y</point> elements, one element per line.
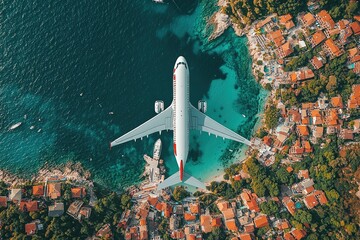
<point>64,65</point>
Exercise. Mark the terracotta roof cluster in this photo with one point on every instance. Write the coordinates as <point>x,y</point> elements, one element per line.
<point>245,236</point>
<point>347,134</point>
<point>30,228</point>
<point>332,48</point>
<point>282,224</point>
<point>277,37</point>
<point>313,199</point>
<point>28,206</point>
<point>302,130</point>
<point>3,201</point>
<point>354,100</point>
<point>303,174</point>
<point>316,117</point>
<point>337,102</point>
<point>317,62</point>
<point>295,234</point>
<point>231,225</point>
<point>78,192</point>
<point>317,38</point>
<point>38,190</point>
<point>355,27</point>
<point>54,190</point>
<point>308,19</point>
<point>285,50</point>
<point>298,149</point>
<point>205,223</point>
<point>332,117</point>
<point>325,20</point>
<point>286,20</point>
<point>289,204</point>
<point>261,221</point>
<point>249,200</point>
<point>301,75</point>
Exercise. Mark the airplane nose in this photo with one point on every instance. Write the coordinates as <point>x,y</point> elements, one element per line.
<point>181,59</point>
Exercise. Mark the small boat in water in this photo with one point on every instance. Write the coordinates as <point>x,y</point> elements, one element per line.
<point>32,127</point>
<point>16,125</point>
<point>158,1</point>
<point>243,115</point>
<point>157,150</point>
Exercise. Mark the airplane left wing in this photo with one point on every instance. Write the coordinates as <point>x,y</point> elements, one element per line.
<point>199,121</point>
<point>162,121</point>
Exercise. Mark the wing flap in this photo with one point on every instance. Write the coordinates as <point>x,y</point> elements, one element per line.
<point>199,121</point>
<point>161,122</point>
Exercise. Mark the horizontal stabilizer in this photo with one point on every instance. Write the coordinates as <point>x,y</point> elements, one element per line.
<point>187,179</point>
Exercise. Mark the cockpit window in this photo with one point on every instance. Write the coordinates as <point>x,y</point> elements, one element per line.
<point>181,63</point>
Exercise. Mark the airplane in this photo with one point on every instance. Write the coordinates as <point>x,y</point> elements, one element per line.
<point>180,117</point>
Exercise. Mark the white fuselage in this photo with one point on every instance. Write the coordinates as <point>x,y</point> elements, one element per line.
<point>181,105</point>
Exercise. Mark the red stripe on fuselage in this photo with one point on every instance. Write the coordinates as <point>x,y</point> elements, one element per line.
<point>174,149</point>
<point>181,170</point>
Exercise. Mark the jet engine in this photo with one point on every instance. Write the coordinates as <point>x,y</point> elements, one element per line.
<point>202,106</point>
<point>159,106</point>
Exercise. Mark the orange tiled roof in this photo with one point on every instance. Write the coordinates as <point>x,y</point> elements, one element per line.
<point>285,18</point>
<point>78,192</point>
<point>307,147</point>
<point>245,236</point>
<point>321,197</point>
<point>333,48</point>
<point>152,200</point>
<point>303,173</point>
<point>357,17</point>
<point>289,169</point>
<point>287,49</point>
<point>310,201</point>
<point>277,37</point>
<point>195,208</point>
<point>308,19</point>
<point>249,228</point>
<point>143,222</point>
<point>288,236</point>
<point>355,26</point>
<point>298,234</point>
<point>318,37</point>
<point>3,201</point>
<point>303,130</point>
<point>29,206</point>
<point>289,204</point>
<point>30,228</point>
<point>223,205</point>
<point>189,217</point>
<point>231,225</point>
<point>337,102</point>
<point>54,190</point>
<point>216,222</point>
<point>261,221</point>
<point>326,18</point>
<point>229,213</point>
<point>38,190</point>
<point>317,63</point>
<point>290,24</point>
<point>205,222</point>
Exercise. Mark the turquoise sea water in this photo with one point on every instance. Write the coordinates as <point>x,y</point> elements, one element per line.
<point>66,64</point>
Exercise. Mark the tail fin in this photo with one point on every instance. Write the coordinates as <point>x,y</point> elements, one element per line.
<point>175,179</point>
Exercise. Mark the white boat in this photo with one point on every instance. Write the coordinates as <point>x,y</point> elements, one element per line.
<point>158,1</point>
<point>16,125</point>
<point>111,113</point>
<point>32,127</point>
<point>243,115</point>
<point>157,150</point>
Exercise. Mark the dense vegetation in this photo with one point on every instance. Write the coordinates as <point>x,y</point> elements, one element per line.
<point>245,12</point>
<point>253,10</point>
<point>108,209</point>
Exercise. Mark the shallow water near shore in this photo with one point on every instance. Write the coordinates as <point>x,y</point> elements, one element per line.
<point>67,66</point>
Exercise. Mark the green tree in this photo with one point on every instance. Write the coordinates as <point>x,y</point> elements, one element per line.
<point>272,115</point>
<point>269,207</point>
<point>180,193</point>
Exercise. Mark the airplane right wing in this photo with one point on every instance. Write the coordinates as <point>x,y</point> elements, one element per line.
<point>162,121</point>
<point>199,121</point>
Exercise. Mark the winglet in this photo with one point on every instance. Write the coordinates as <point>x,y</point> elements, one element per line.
<point>110,146</point>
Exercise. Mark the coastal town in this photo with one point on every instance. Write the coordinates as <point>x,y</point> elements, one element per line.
<point>299,180</point>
